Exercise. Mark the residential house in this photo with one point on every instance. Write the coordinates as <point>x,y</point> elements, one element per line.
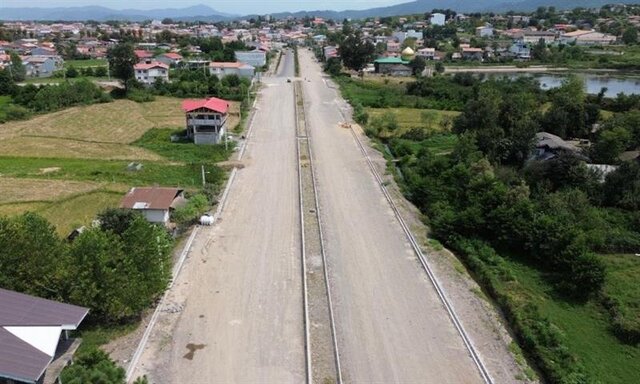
<point>330,51</point>
<point>393,66</point>
<point>222,69</point>
<point>171,59</point>
<point>438,19</point>
<point>533,37</point>
<point>154,203</point>
<point>206,119</point>
<point>148,73</point>
<point>426,53</point>
<point>469,53</point>
<point>520,51</point>
<point>256,58</point>
<point>43,51</point>
<point>549,146</point>
<point>42,66</point>
<point>485,31</point>
<point>581,37</point>
<point>399,36</point>
<point>34,342</point>
<point>393,47</point>
<point>143,56</point>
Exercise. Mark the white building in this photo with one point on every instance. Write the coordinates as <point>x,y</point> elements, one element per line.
<point>438,19</point>
<point>426,53</point>
<point>148,73</point>
<point>256,58</point>
<point>222,69</point>
<point>485,31</point>
<point>154,203</point>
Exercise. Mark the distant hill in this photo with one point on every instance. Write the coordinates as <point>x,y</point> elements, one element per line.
<point>205,13</point>
<point>102,13</point>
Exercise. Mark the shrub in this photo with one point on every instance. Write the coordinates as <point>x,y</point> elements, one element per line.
<point>16,112</point>
<point>191,211</point>
<point>140,96</point>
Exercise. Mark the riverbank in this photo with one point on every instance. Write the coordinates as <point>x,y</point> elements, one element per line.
<point>503,69</point>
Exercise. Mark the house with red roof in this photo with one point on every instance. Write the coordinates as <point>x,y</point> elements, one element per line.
<point>170,58</point>
<point>206,119</point>
<point>148,73</point>
<point>222,69</point>
<point>143,56</point>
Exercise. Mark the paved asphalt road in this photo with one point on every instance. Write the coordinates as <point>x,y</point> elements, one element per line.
<point>391,326</point>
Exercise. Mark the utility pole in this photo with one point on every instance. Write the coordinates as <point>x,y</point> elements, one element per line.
<point>203,179</point>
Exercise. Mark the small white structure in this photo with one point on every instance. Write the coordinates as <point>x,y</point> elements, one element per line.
<point>154,203</point>
<point>438,19</point>
<point>148,73</point>
<point>485,31</point>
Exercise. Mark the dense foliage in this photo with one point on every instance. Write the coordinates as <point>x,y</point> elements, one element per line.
<point>116,270</point>
<point>199,83</point>
<point>487,198</point>
<point>95,366</point>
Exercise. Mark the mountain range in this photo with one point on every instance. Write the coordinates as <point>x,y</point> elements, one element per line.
<point>206,13</point>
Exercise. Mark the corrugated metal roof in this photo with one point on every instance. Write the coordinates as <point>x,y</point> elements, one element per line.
<point>23,310</point>
<point>19,360</point>
<point>150,198</point>
<point>212,103</point>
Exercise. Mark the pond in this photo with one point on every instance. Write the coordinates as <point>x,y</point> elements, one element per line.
<point>615,84</point>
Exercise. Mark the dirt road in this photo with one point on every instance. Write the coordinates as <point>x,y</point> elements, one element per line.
<point>391,326</point>
<point>240,290</point>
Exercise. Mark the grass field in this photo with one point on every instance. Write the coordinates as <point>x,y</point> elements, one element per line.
<point>431,120</point>
<point>85,63</point>
<point>121,121</point>
<point>4,102</point>
<point>69,165</point>
<point>586,328</point>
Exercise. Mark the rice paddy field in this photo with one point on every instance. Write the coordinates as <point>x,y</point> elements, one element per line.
<point>71,164</point>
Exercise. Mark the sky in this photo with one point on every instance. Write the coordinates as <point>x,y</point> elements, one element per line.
<point>233,6</point>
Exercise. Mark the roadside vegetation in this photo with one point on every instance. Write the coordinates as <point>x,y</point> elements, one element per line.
<point>545,239</point>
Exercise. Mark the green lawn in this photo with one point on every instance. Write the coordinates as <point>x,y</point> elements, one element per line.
<point>586,327</point>
<point>4,103</point>
<point>159,141</point>
<point>108,171</point>
<point>431,120</point>
<point>85,63</point>
<point>57,80</point>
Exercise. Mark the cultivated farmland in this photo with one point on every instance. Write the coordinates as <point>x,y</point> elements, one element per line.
<point>70,165</point>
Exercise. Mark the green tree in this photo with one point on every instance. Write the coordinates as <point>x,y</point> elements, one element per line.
<point>71,72</point>
<point>356,52</point>
<point>93,366</point>
<point>116,220</point>
<point>439,67</point>
<point>16,69</point>
<point>7,85</point>
<point>333,66</point>
<point>121,61</point>
<point>630,36</point>
<point>100,72</point>
<point>32,257</point>
<point>610,144</point>
<point>418,64</point>
<point>567,115</point>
